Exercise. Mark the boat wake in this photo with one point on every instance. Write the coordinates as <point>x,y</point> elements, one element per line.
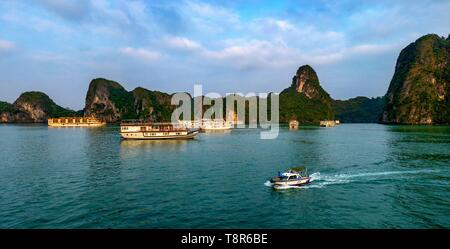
<point>319,180</point>
<point>268,184</point>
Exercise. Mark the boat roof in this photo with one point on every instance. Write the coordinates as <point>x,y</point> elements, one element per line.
<point>143,122</point>
<point>290,174</point>
<point>68,117</point>
<point>204,119</point>
<point>75,117</point>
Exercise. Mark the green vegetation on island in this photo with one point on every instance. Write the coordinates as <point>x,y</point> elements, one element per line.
<point>41,102</point>
<point>419,90</point>
<point>32,107</point>
<point>6,107</point>
<point>359,110</point>
<point>305,100</point>
<point>108,100</point>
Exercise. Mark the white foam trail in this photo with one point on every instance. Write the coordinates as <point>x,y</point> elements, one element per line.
<point>300,187</point>
<point>315,176</point>
<point>268,184</point>
<point>340,177</point>
<point>319,181</point>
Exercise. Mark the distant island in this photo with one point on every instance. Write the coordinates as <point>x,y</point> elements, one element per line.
<point>418,94</point>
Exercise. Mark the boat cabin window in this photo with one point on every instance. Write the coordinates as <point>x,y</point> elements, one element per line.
<point>292,177</point>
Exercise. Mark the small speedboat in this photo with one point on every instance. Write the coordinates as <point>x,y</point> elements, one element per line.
<point>296,176</point>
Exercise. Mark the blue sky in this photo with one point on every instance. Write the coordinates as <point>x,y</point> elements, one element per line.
<point>58,46</point>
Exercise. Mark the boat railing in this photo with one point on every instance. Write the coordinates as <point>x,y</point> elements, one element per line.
<point>148,123</point>
<point>76,120</point>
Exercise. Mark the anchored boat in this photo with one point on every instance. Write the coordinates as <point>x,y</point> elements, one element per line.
<point>296,176</point>
<point>208,124</point>
<point>75,122</point>
<point>136,129</point>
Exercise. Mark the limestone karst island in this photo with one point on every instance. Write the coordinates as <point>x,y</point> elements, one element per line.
<point>417,94</point>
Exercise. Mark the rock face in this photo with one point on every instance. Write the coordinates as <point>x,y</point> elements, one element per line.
<point>305,100</point>
<point>419,90</point>
<point>359,110</point>
<point>152,105</point>
<point>10,114</point>
<point>108,100</point>
<point>306,81</point>
<point>32,107</point>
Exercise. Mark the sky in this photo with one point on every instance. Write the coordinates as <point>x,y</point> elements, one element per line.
<point>59,46</point>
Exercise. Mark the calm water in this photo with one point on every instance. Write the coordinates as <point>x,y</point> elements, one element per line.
<point>365,176</point>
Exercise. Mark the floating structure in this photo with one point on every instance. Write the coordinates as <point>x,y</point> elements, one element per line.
<point>293,124</point>
<point>207,124</point>
<point>75,122</point>
<point>136,129</point>
<point>327,123</point>
<point>337,122</point>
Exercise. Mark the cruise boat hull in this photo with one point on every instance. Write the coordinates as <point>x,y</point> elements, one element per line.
<point>75,122</point>
<point>149,136</point>
<point>76,125</point>
<point>141,130</point>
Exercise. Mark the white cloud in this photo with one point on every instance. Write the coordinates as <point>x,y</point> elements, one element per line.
<point>210,18</point>
<point>271,24</point>
<point>70,9</point>
<point>210,11</point>
<point>6,46</point>
<point>253,54</point>
<point>182,43</point>
<point>10,17</point>
<point>371,48</point>
<point>45,56</point>
<point>43,25</point>
<point>250,54</point>
<point>347,52</point>
<point>104,9</point>
<point>140,53</point>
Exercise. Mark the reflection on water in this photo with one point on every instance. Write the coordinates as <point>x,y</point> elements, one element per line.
<point>127,143</point>
<point>216,132</point>
<point>428,129</point>
<point>422,149</point>
<point>135,148</point>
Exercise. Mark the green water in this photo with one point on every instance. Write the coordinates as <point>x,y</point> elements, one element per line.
<point>365,176</point>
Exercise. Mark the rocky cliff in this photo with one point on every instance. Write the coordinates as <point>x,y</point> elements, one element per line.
<point>419,90</point>
<point>10,114</point>
<point>33,107</point>
<point>153,105</point>
<point>305,100</point>
<point>108,100</point>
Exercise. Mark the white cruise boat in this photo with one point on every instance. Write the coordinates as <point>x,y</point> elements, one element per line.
<point>208,124</point>
<point>215,124</point>
<point>133,129</point>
